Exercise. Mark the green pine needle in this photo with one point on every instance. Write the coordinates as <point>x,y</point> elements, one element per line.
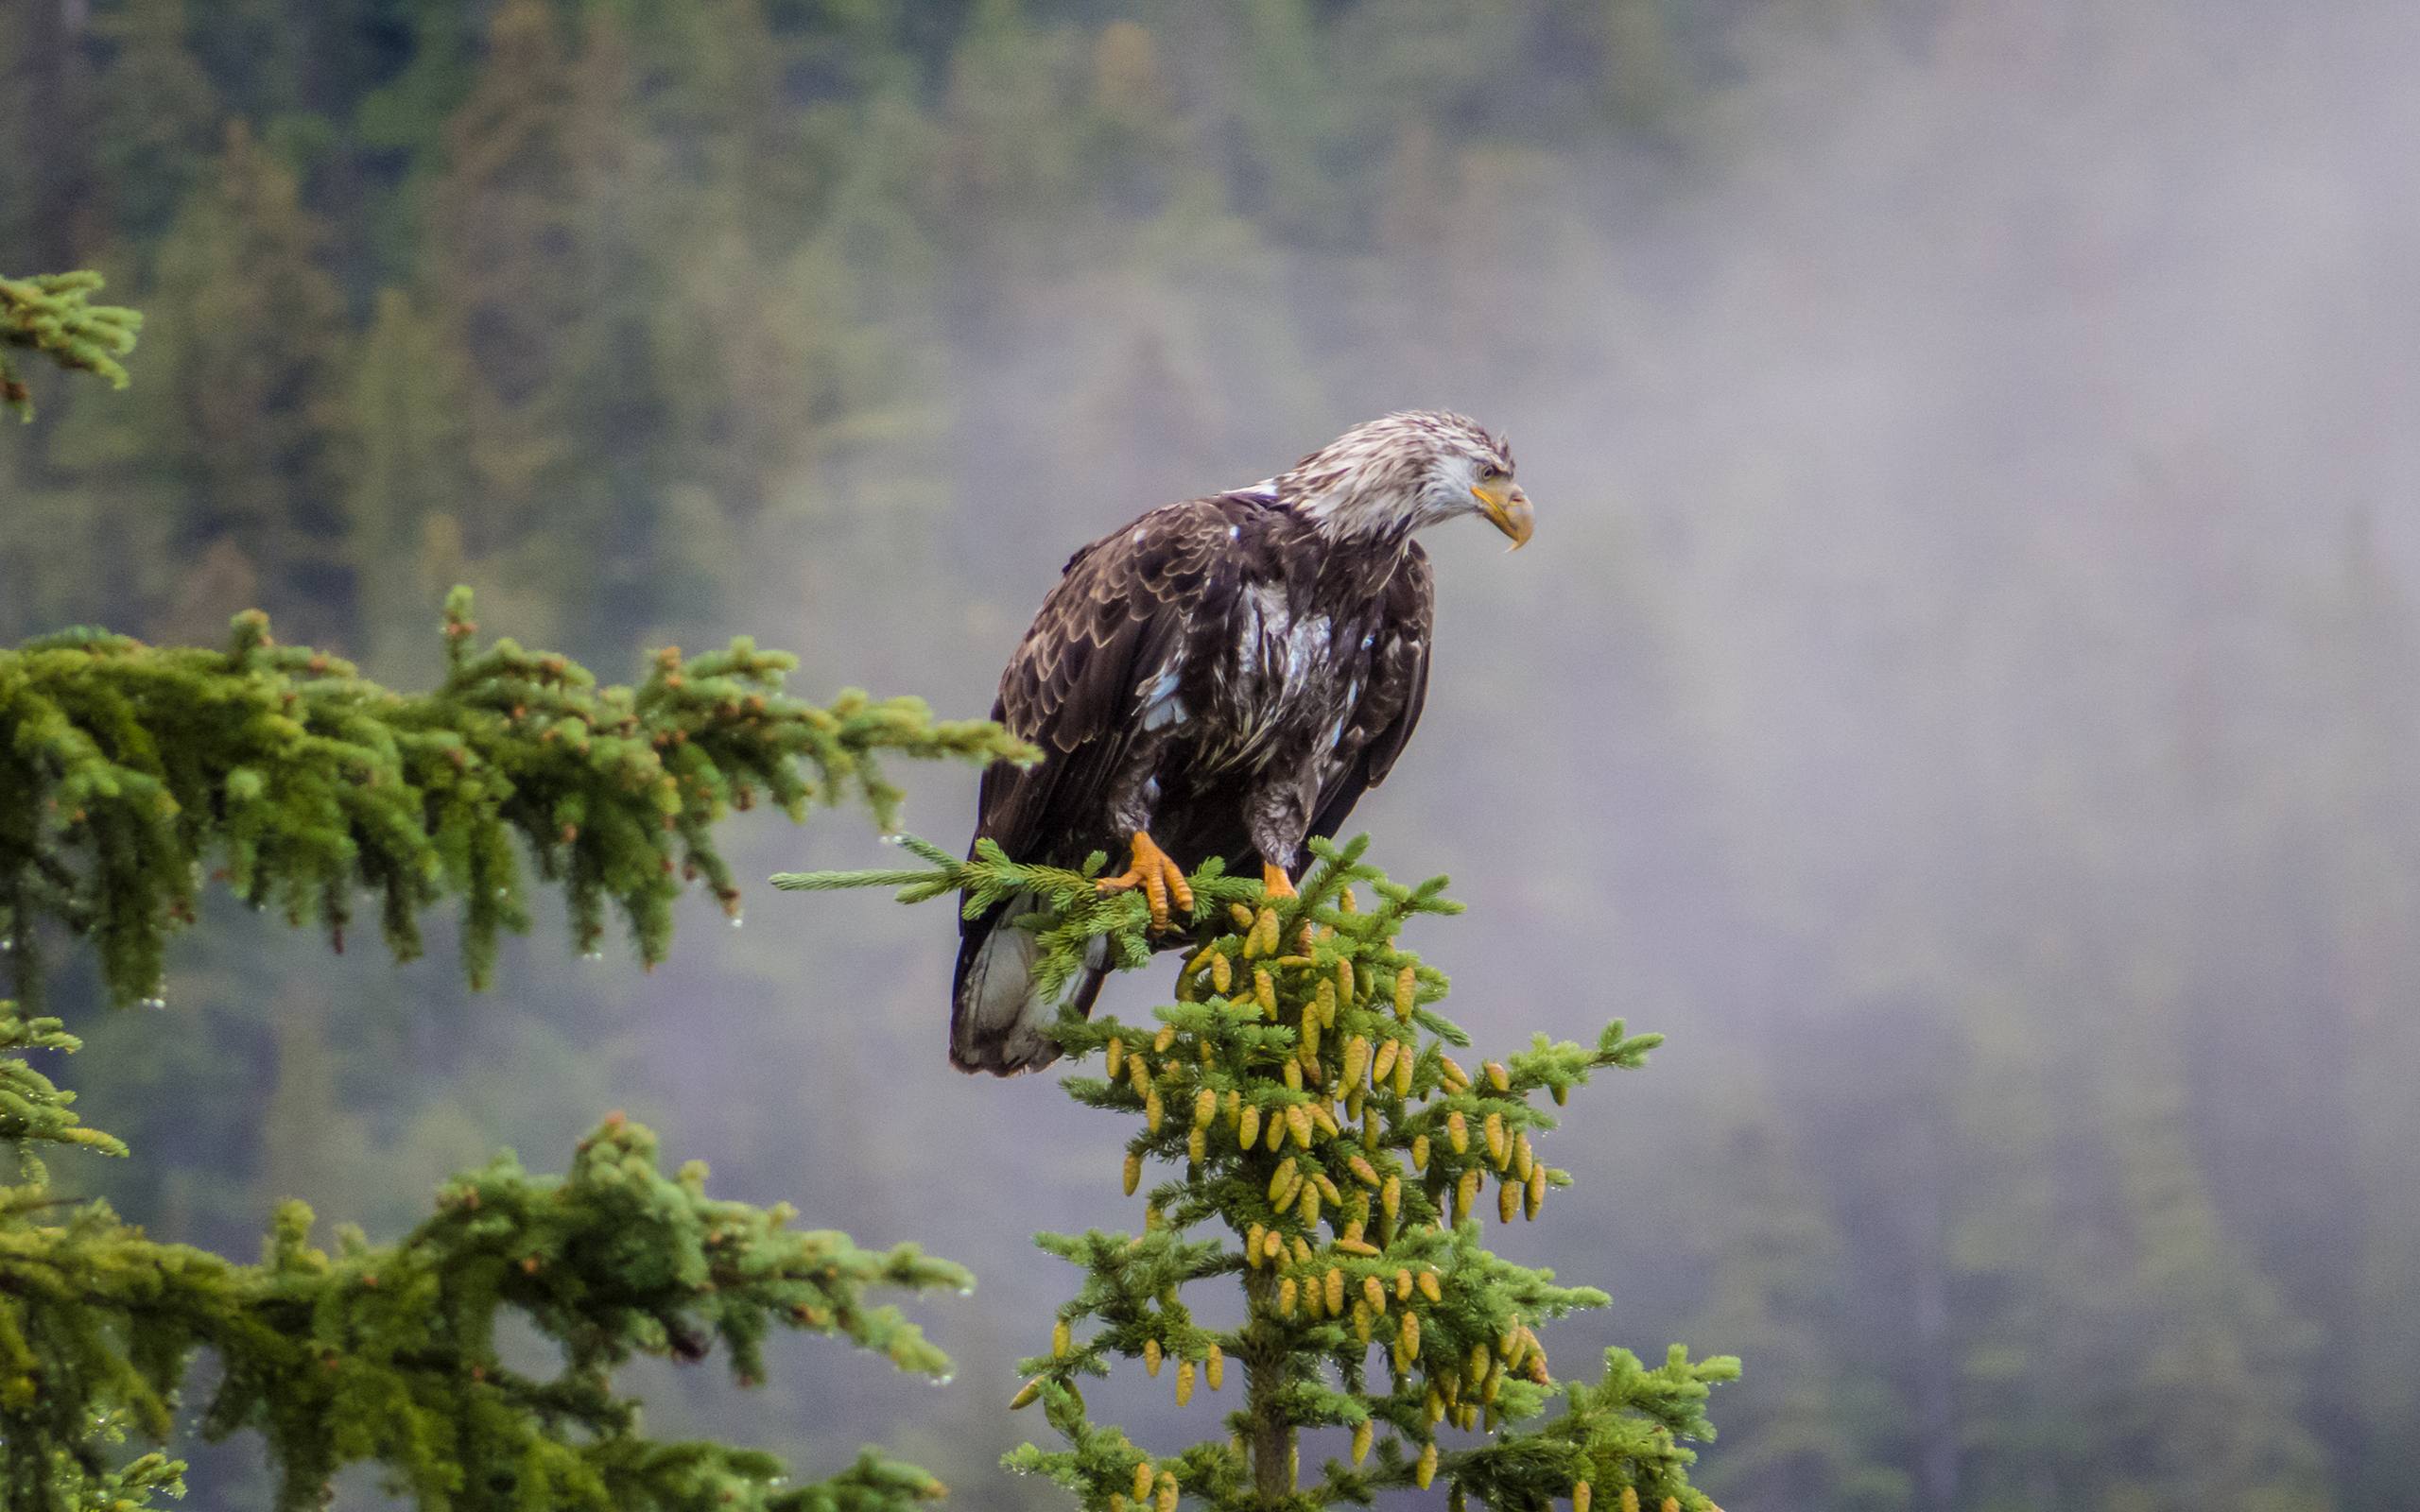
<point>126,771</point>
<point>51,314</point>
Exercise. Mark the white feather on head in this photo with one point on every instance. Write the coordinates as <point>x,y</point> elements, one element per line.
<point>1393,476</point>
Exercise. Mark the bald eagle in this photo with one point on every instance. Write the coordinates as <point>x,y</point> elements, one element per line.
<point>1224,677</point>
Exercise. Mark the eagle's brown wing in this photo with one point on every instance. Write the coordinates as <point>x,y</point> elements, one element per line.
<point>1391,699</point>
<point>1117,623</point>
<point>1110,639</point>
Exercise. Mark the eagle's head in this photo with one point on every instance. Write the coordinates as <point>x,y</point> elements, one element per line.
<point>1383,479</point>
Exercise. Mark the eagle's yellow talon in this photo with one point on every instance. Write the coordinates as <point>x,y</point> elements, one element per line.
<point>1161,879</point>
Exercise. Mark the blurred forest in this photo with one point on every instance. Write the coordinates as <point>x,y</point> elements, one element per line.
<point>1965,689</point>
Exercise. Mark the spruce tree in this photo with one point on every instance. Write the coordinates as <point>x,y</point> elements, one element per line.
<point>536,270</point>
<point>1809,1423</point>
<point>158,117</point>
<point>411,479</point>
<point>253,345</point>
<point>1331,1159</point>
<point>387,1354</point>
<point>127,770</point>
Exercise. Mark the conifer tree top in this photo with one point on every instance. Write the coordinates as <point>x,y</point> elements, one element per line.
<point>1330,1156</point>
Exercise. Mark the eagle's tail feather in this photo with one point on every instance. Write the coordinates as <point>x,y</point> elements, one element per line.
<point>998,1014</point>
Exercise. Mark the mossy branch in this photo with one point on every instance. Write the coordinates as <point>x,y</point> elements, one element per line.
<point>52,313</point>
<point>125,769</point>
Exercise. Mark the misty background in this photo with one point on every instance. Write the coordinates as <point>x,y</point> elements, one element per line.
<point>1962,689</point>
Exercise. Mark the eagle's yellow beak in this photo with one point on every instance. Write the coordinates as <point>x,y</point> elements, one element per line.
<point>1508,510</point>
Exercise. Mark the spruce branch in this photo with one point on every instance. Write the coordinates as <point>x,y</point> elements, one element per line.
<point>82,1477</point>
<point>387,1354</point>
<point>1075,911</point>
<point>1327,1154</point>
<point>51,314</point>
<point>32,1110</point>
<point>125,768</point>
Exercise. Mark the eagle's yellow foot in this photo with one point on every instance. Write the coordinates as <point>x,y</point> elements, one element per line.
<point>1161,879</point>
<point>1274,882</point>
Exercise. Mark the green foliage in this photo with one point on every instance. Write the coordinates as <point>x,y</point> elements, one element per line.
<point>388,1354</point>
<point>1335,1155</point>
<point>52,313</point>
<point>78,1481</point>
<point>125,768</point>
<point>33,1110</point>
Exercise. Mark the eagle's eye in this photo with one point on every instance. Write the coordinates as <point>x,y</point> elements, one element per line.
<point>1492,472</point>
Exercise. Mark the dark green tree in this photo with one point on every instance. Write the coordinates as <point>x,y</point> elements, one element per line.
<point>410,481</point>
<point>1333,1161</point>
<point>128,769</point>
<point>534,271</point>
<point>1801,1426</point>
<point>254,348</point>
<point>159,117</point>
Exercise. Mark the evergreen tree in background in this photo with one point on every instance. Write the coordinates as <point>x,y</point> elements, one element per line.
<point>534,262</point>
<point>1797,1430</point>
<point>253,358</point>
<point>2367,642</point>
<point>411,475</point>
<point>159,119</point>
<point>1335,1163</point>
